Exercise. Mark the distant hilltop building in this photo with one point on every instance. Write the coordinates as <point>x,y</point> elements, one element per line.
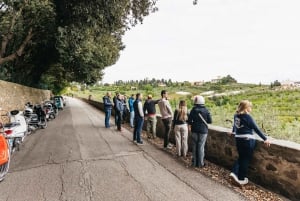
<point>288,84</point>
<point>197,83</point>
<point>216,80</point>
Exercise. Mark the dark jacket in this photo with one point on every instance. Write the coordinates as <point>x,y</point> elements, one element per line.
<point>244,124</point>
<point>107,102</point>
<point>197,124</point>
<point>136,109</point>
<point>119,106</point>
<point>149,106</point>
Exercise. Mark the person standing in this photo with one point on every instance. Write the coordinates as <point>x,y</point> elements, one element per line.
<point>125,108</point>
<point>166,116</point>
<point>243,130</point>
<point>181,129</point>
<point>107,108</point>
<point>138,119</point>
<point>150,112</point>
<point>198,119</point>
<point>115,98</point>
<point>119,111</point>
<point>131,110</point>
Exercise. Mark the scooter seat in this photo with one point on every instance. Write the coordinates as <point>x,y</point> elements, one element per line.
<point>14,112</point>
<point>10,125</point>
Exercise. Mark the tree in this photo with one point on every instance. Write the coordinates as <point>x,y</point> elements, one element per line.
<point>79,38</point>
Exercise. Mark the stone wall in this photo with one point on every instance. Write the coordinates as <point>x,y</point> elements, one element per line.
<point>276,168</point>
<point>14,96</point>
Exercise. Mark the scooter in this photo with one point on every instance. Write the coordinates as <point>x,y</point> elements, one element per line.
<point>16,130</point>
<point>4,154</point>
<point>49,110</point>
<point>36,119</point>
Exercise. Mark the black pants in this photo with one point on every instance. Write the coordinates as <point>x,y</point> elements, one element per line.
<point>167,124</point>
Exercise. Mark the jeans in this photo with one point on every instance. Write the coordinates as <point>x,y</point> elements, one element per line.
<point>151,126</point>
<point>181,136</point>
<point>167,124</point>
<point>119,119</point>
<point>245,150</point>
<point>107,117</point>
<point>131,119</point>
<point>116,117</point>
<point>199,141</point>
<point>138,126</point>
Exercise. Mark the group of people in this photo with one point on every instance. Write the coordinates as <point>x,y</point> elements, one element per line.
<point>183,122</point>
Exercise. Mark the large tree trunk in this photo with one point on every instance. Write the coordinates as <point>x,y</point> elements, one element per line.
<point>19,52</point>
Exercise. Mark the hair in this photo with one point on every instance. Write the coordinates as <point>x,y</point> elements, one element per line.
<point>243,106</point>
<point>137,96</point>
<point>163,92</point>
<point>182,111</point>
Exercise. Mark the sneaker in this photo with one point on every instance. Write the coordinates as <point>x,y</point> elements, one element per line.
<point>169,146</point>
<point>140,143</point>
<point>236,179</point>
<point>244,182</point>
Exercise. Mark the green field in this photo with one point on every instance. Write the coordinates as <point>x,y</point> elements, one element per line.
<point>275,111</point>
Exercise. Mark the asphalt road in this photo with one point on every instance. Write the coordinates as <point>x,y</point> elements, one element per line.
<point>77,159</point>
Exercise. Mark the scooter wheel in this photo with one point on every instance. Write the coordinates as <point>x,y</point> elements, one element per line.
<point>4,169</point>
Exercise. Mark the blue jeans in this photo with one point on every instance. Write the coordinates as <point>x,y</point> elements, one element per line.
<point>107,117</point>
<point>138,126</point>
<point>199,141</point>
<point>131,119</point>
<point>245,150</point>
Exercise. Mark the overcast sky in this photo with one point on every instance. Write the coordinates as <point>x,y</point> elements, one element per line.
<point>251,40</point>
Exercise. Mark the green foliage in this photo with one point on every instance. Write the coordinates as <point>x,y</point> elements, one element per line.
<point>78,38</point>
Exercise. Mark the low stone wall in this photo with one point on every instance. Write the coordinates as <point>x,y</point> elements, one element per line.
<point>276,168</point>
<point>14,96</point>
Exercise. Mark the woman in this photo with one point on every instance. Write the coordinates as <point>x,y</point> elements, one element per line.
<point>181,128</point>
<point>243,128</point>
<point>198,119</point>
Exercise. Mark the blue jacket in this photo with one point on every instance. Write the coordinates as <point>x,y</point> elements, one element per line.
<point>245,124</point>
<point>197,124</point>
<point>107,102</point>
<point>130,103</point>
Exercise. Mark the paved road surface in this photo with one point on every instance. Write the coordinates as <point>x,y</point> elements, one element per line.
<point>76,158</point>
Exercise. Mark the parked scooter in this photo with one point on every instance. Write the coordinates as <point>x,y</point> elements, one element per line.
<point>38,118</point>
<point>16,130</point>
<point>49,110</point>
<point>4,154</point>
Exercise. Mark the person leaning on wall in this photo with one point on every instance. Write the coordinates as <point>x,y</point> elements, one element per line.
<point>180,127</point>
<point>198,120</point>
<point>243,130</point>
<point>150,114</point>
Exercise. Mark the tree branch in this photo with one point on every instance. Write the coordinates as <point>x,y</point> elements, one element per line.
<point>9,35</point>
<point>20,51</point>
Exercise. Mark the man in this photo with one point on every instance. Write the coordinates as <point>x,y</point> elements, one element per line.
<point>138,119</point>
<point>131,110</point>
<point>119,111</point>
<point>107,108</point>
<point>166,116</point>
<point>115,104</point>
<point>150,112</point>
